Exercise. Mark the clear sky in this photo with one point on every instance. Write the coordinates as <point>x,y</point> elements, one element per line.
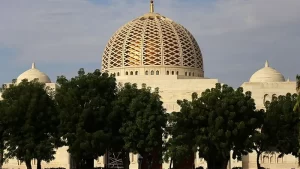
<point>235,36</point>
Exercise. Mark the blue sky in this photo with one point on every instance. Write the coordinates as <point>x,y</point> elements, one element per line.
<point>235,36</point>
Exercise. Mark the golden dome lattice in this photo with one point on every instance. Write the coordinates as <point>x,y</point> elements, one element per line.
<point>152,40</point>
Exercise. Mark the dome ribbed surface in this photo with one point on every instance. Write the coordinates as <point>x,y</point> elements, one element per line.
<point>267,74</point>
<point>152,40</point>
<point>32,74</point>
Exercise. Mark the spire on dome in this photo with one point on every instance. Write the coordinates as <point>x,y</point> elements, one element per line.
<point>267,63</point>
<point>33,65</point>
<point>151,6</point>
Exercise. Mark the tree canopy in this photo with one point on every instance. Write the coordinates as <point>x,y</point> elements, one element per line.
<point>181,145</point>
<point>297,105</point>
<point>282,124</point>
<point>143,122</point>
<point>224,119</point>
<point>84,103</point>
<point>30,120</point>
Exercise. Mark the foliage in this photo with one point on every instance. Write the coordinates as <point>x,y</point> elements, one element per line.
<point>30,122</point>
<point>262,139</point>
<point>223,119</point>
<point>2,129</point>
<point>282,124</point>
<point>297,105</point>
<point>84,103</point>
<point>144,121</point>
<point>182,125</point>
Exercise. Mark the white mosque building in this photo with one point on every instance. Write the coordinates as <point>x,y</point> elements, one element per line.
<point>155,50</point>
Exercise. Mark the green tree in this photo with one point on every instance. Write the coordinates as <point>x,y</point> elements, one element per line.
<point>282,124</point>
<point>227,120</point>
<point>118,117</point>
<point>2,129</point>
<point>84,103</point>
<point>297,105</point>
<point>181,146</point>
<point>223,119</point>
<point>30,121</point>
<point>143,123</point>
<point>262,139</point>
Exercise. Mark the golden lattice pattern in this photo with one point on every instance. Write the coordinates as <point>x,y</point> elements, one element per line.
<point>152,40</point>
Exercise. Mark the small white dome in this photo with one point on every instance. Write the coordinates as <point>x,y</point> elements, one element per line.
<point>267,74</point>
<point>32,74</point>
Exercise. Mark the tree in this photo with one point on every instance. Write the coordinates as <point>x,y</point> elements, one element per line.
<point>282,124</point>
<point>84,103</point>
<point>181,146</point>
<point>297,105</point>
<point>2,129</point>
<point>30,121</point>
<point>118,117</point>
<point>143,123</point>
<point>263,139</point>
<point>223,119</point>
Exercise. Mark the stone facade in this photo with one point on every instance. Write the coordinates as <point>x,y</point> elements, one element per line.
<point>175,87</point>
<point>154,50</point>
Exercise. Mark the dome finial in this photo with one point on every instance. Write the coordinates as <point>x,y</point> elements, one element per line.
<point>33,65</point>
<point>151,6</point>
<point>267,63</point>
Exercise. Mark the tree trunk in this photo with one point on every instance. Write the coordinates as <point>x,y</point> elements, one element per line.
<point>217,163</point>
<point>77,165</point>
<point>187,163</point>
<point>125,159</point>
<point>39,165</point>
<point>88,163</point>
<point>155,160</point>
<point>28,164</point>
<point>144,161</point>
<point>257,159</point>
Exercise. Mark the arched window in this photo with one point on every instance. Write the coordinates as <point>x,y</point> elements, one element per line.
<point>136,72</point>
<point>131,72</point>
<point>265,159</point>
<point>146,73</point>
<point>177,73</point>
<point>126,73</point>
<point>185,73</point>
<point>189,73</point>
<point>272,159</point>
<point>279,160</point>
<point>152,72</point>
<point>118,74</point>
<point>157,72</point>
<point>168,72</point>
<point>172,72</point>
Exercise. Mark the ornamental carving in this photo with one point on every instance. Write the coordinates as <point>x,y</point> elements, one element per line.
<point>152,40</point>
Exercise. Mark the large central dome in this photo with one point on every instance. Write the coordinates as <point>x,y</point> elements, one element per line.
<point>153,42</point>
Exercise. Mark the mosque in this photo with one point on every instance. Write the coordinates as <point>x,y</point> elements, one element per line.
<point>155,50</point>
